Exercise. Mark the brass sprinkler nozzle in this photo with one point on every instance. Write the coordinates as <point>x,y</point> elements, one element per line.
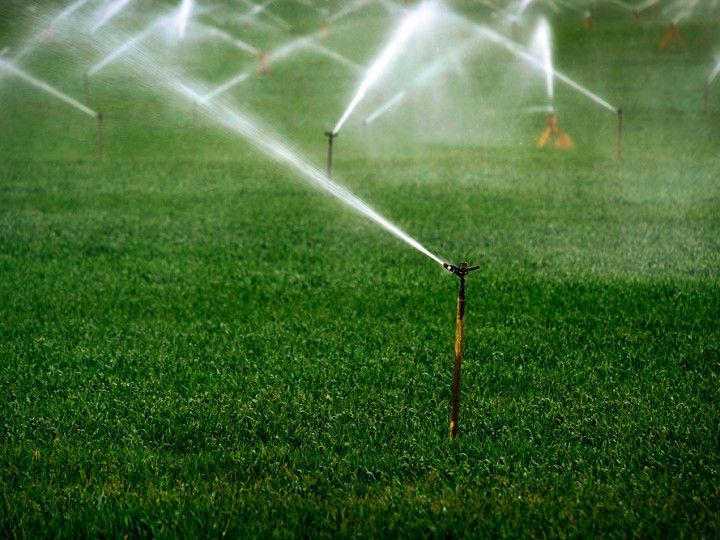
<point>461,270</point>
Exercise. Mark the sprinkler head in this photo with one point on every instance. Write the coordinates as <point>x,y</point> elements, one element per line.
<point>461,270</point>
<point>330,135</point>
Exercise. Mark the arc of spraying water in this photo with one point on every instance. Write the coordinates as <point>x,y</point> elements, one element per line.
<point>541,46</point>
<point>243,125</point>
<point>521,8</point>
<point>334,55</point>
<point>684,10</point>
<point>257,9</point>
<point>179,21</point>
<point>714,73</point>
<point>183,17</point>
<point>276,55</point>
<point>385,107</point>
<point>520,52</point>
<point>122,49</point>
<point>64,14</point>
<point>436,69</point>
<point>39,38</point>
<point>42,85</point>
<point>285,50</point>
<point>272,146</point>
<point>238,43</point>
<point>409,25</point>
<point>107,14</point>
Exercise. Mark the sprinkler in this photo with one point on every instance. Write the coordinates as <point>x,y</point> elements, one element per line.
<point>461,270</point>
<point>673,34</point>
<point>619,133</point>
<point>331,136</point>
<point>553,136</point>
<point>100,138</point>
<point>324,30</point>
<point>48,34</point>
<point>706,97</point>
<point>263,63</point>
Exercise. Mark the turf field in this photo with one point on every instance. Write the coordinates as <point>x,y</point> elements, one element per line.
<point>195,342</point>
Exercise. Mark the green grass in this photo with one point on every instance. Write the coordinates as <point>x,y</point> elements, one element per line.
<point>194,342</point>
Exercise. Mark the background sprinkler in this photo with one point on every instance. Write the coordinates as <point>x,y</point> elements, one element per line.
<point>100,137</point>
<point>619,133</point>
<point>672,35</point>
<point>330,135</point>
<point>553,136</point>
<point>461,271</point>
<point>706,98</point>
<point>263,65</point>
<point>324,30</point>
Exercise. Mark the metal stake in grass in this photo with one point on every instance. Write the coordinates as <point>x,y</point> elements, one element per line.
<point>706,98</point>
<point>619,133</point>
<point>461,271</point>
<point>331,136</point>
<point>100,138</point>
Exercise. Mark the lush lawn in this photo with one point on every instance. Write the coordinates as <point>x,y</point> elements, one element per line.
<point>193,341</point>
